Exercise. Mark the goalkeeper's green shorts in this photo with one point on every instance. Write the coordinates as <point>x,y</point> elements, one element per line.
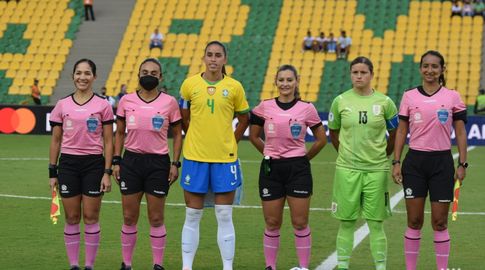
<point>357,193</point>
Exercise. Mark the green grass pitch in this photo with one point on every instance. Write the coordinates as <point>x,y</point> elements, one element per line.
<point>28,240</point>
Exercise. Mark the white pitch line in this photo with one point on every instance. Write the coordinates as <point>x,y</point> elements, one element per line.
<point>331,261</point>
<point>316,209</point>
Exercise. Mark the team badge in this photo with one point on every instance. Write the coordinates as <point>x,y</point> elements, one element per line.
<point>443,115</point>
<point>295,129</point>
<point>265,191</point>
<point>376,109</point>
<point>211,90</point>
<point>157,122</point>
<point>330,117</point>
<point>409,191</point>
<point>225,93</point>
<point>187,180</point>
<point>92,123</point>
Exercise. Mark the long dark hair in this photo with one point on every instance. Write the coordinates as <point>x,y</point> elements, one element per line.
<point>153,60</point>
<point>85,60</point>
<point>363,60</point>
<point>223,49</point>
<point>441,79</point>
<point>292,69</point>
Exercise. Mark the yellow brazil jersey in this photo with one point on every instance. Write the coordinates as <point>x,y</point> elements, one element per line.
<point>210,137</point>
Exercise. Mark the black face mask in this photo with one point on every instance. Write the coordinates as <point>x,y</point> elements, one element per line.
<point>148,82</point>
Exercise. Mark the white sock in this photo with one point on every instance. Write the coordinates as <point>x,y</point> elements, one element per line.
<point>190,236</point>
<point>226,237</point>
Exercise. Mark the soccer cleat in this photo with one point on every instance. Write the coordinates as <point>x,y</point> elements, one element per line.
<point>75,268</point>
<point>295,268</point>
<point>125,267</point>
<point>268,268</point>
<point>88,268</point>
<point>158,267</point>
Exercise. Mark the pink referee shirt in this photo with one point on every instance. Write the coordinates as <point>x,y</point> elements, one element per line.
<point>82,129</point>
<point>147,122</point>
<point>431,117</point>
<point>285,130</point>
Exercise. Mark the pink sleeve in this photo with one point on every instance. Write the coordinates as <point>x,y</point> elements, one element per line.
<point>56,114</point>
<point>312,116</point>
<point>403,108</point>
<point>120,111</point>
<point>259,110</point>
<point>458,105</point>
<point>174,111</point>
<point>107,117</point>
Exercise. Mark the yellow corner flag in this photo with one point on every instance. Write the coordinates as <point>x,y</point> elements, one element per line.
<point>456,196</point>
<point>55,212</point>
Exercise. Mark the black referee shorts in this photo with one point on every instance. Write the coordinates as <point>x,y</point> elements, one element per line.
<point>144,173</point>
<point>287,177</point>
<point>80,174</point>
<point>428,171</point>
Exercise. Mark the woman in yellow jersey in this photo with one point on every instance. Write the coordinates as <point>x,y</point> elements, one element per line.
<point>209,101</point>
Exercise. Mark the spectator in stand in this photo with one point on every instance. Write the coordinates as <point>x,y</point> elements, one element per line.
<point>111,100</point>
<point>36,92</point>
<point>321,42</point>
<point>308,41</point>
<point>344,43</point>
<point>331,44</point>
<point>455,9</point>
<point>478,8</point>
<point>480,103</point>
<point>156,40</point>
<point>88,7</point>
<point>467,8</point>
<point>121,94</point>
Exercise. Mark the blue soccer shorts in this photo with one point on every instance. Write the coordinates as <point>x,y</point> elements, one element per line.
<point>198,177</point>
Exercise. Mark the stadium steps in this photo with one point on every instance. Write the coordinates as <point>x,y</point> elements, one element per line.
<point>98,41</point>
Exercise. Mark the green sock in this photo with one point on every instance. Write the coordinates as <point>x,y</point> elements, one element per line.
<point>378,243</point>
<point>345,242</point>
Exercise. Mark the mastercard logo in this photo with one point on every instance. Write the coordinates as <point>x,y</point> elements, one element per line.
<point>21,120</point>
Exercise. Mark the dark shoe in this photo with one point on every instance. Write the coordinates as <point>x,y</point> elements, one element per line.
<point>88,268</point>
<point>125,267</point>
<point>75,268</point>
<point>158,267</point>
<point>268,268</point>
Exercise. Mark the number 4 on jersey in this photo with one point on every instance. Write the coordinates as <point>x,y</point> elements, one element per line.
<point>210,103</point>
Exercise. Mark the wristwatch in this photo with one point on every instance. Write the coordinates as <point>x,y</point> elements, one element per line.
<point>463,164</point>
<point>177,164</point>
<point>394,162</point>
<point>108,171</point>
